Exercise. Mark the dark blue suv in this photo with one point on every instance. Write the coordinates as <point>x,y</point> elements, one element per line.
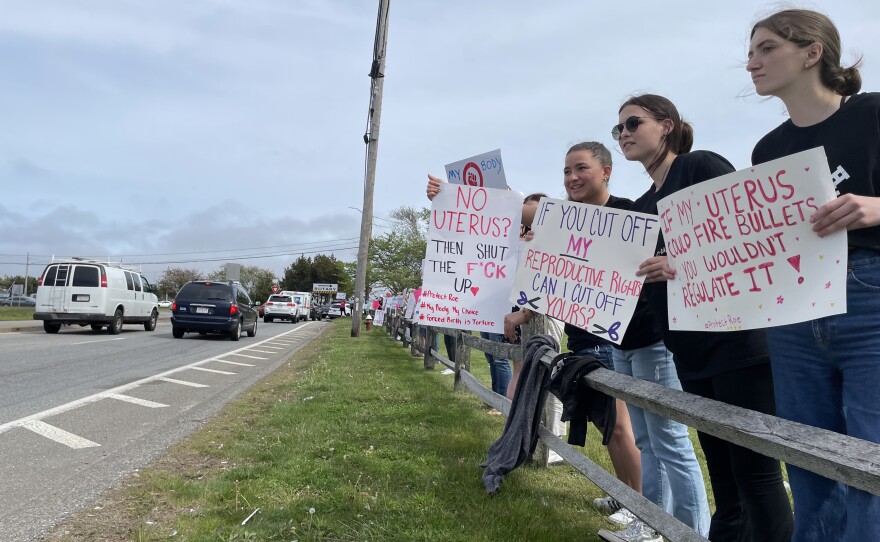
<point>213,307</point>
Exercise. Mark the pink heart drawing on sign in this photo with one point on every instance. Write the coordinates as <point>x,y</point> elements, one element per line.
<point>474,290</point>
<point>806,169</point>
<point>814,303</point>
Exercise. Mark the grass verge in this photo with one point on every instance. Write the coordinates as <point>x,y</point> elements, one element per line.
<point>350,440</point>
<point>16,313</point>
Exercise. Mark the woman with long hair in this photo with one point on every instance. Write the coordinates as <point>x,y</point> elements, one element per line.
<point>827,371</point>
<point>733,367</point>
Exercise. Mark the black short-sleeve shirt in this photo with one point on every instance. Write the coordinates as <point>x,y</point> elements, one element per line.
<point>851,137</point>
<point>698,354</point>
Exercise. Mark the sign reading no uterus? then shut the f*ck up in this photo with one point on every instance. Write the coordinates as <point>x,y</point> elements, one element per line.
<point>470,258</point>
<point>744,251</point>
<point>580,267</point>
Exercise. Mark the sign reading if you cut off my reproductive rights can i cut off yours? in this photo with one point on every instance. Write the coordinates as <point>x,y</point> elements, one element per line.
<point>580,267</point>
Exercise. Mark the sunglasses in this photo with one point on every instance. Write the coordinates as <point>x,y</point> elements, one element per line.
<point>631,124</point>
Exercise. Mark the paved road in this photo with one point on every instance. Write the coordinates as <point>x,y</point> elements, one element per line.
<point>80,409</point>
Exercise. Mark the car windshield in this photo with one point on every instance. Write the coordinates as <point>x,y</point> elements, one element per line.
<point>280,299</point>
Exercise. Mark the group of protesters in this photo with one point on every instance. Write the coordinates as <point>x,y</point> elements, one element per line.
<point>821,372</point>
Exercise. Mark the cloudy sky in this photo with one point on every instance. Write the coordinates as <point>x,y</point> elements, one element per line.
<point>192,133</point>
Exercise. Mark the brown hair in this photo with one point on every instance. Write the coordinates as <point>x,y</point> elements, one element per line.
<point>803,28</point>
<point>535,197</point>
<point>600,151</point>
<point>679,140</point>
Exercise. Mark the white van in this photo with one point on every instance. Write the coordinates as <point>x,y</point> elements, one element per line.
<point>303,301</point>
<point>89,292</point>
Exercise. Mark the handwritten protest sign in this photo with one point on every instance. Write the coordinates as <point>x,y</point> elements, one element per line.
<point>484,170</point>
<point>580,267</point>
<point>744,250</point>
<point>379,318</point>
<point>473,242</point>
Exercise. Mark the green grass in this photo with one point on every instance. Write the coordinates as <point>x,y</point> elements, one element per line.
<point>351,440</point>
<point>16,313</point>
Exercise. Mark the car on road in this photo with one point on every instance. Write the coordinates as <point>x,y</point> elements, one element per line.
<point>282,307</point>
<point>165,304</point>
<point>213,307</point>
<point>19,301</point>
<point>330,310</point>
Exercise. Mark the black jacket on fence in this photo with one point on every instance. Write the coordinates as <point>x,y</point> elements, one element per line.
<point>581,403</point>
<point>520,435</point>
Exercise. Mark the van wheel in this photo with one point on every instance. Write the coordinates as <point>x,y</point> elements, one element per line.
<point>253,332</point>
<point>150,325</point>
<point>176,332</point>
<point>96,327</point>
<point>50,328</point>
<point>116,324</point>
<point>266,319</point>
<point>235,334</point>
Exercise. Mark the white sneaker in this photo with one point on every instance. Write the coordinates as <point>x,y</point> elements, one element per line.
<point>637,531</point>
<point>608,504</point>
<point>622,517</point>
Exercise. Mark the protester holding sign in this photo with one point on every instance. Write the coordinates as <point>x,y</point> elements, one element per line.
<point>668,463</point>
<point>734,367</point>
<point>827,370</point>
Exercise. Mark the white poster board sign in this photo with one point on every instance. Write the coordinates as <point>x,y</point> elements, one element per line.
<point>379,317</point>
<point>744,251</point>
<point>484,170</point>
<point>410,310</point>
<point>581,265</point>
<point>473,241</point>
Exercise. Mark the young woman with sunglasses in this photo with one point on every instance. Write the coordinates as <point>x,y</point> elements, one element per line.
<point>733,367</point>
<point>828,370</point>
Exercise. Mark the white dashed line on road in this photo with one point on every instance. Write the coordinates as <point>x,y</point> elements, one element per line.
<point>58,435</point>
<point>182,382</point>
<point>235,363</point>
<point>217,371</point>
<point>101,341</point>
<point>136,400</point>
<point>245,355</point>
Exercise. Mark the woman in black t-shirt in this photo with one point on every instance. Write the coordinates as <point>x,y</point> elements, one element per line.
<point>750,500</point>
<point>828,370</point>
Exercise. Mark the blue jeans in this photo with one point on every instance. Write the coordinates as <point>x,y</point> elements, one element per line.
<point>671,475</point>
<point>827,374</point>
<point>499,369</point>
<point>602,352</point>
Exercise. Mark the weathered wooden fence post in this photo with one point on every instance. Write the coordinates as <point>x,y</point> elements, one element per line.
<point>414,345</point>
<point>430,338</point>
<point>462,359</point>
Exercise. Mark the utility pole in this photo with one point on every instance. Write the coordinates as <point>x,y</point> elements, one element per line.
<point>27,262</point>
<point>371,138</point>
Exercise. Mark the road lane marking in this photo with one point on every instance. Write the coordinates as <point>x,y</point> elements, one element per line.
<point>72,405</point>
<point>261,351</point>
<point>182,382</point>
<point>217,371</point>
<point>235,363</point>
<point>101,341</point>
<point>59,435</point>
<point>272,347</point>
<point>136,400</point>
<point>244,355</point>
